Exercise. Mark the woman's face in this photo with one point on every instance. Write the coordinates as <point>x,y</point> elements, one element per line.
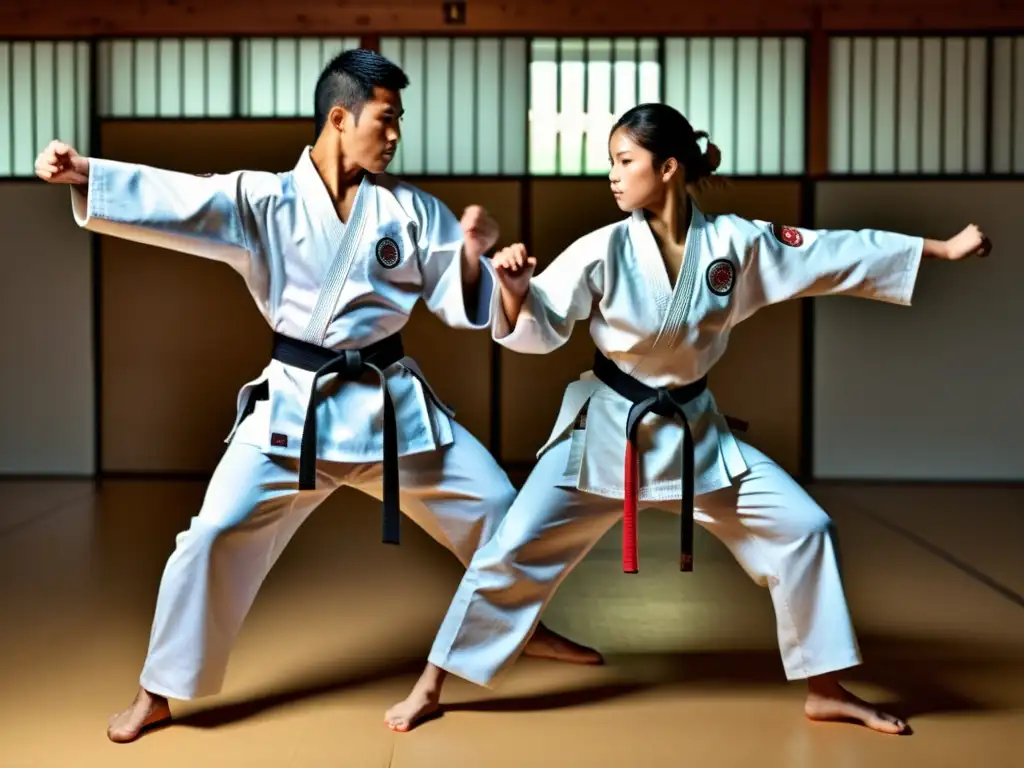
<point>635,181</point>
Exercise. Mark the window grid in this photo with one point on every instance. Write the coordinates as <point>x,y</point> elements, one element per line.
<point>44,95</point>
<point>1006,153</point>
<point>479,88</point>
<point>578,87</point>
<point>926,106</point>
<point>903,106</point>
<point>278,74</point>
<point>748,94</point>
<point>166,78</point>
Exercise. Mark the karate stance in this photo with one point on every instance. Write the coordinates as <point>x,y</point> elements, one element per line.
<point>336,254</point>
<point>663,288</point>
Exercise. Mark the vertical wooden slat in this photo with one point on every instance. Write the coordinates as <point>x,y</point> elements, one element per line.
<point>817,100</point>
<point>816,152</point>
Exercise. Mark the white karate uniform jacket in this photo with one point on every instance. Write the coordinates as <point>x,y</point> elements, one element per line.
<point>668,337</point>
<point>314,278</point>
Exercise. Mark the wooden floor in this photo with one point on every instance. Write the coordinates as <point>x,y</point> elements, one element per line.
<point>934,577</point>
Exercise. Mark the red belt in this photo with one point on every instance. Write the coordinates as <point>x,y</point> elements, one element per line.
<point>667,402</point>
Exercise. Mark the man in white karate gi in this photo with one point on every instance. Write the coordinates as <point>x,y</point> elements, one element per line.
<point>336,254</point>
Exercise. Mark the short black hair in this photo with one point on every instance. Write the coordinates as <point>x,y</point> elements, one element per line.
<point>349,79</point>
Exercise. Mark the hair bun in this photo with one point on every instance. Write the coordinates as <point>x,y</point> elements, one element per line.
<point>713,155</point>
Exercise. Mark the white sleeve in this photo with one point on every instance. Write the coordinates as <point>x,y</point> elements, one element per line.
<point>439,243</point>
<point>207,216</point>
<point>558,298</point>
<point>781,263</point>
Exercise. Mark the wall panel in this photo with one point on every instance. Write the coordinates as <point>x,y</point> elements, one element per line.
<point>180,334</point>
<point>46,391</point>
<point>458,362</point>
<point>927,392</point>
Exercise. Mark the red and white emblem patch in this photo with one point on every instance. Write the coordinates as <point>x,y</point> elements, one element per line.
<point>788,235</point>
<point>721,277</point>
<point>388,254</point>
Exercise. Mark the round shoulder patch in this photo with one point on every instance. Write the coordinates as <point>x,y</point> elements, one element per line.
<point>388,254</point>
<point>721,277</point>
<point>788,235</point>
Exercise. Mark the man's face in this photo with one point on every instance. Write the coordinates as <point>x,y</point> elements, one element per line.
<point>372,140</point>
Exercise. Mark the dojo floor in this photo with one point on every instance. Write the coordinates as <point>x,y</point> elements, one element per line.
<point>339,631</point>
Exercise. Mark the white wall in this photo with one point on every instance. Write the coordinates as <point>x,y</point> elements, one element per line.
<point>932,391</point>
<point>46,390</point>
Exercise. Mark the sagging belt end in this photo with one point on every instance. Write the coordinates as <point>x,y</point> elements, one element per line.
<point>686,563</point>
<point>390,531</point>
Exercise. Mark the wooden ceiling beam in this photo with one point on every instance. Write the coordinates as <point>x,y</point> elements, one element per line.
<point>29,19</point>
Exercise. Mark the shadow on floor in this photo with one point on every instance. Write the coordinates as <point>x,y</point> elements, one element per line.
<point>923,675</point>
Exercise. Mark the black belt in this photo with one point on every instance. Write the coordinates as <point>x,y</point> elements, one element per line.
<point>349,365</point>
<point>667,402</point>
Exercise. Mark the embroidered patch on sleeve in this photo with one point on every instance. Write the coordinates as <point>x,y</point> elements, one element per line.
<point>788,235</point>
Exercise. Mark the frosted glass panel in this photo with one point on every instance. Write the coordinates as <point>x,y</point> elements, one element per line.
<point>165,77</point>
<point>279,74</point>
<point>514,87</point>
<point>1007,103</point>
<point>170,92</point>
<point>195,71</point>
<point>747,93</point>
<point>572,113</point>
<point>578,87</point>
<point>220,88</point>
<point>544,123</point>
<point>912,105</point>
<point>411,56</point>
<point>465,106</point>
<point>44,95</point>
<point>490,126</point>
<point>437,116</point>
<point>794,128</point>
<point>145,83</point>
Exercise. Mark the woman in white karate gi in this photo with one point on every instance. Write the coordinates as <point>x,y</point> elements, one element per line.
<point>336,254</point>
<point>662,289</point>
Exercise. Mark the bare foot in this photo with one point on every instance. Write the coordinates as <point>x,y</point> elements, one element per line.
<point>827,700</point>
<point>145,712</point>
<point>421,703</point>
<point>545,644</point>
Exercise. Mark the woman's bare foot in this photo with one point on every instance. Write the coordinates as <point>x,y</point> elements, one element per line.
<point>421,703</point>
<point>145,712</point>
<point>546,644</point>
<point>828,700</point>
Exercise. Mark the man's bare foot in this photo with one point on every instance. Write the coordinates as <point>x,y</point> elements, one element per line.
<point>145,712</point>
<point>828,700</point>
<point>546,644</point>
<point>421,703</point>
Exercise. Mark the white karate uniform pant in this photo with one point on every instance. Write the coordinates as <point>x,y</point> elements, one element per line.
<point>776,531</point>
<point>457,494</point>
